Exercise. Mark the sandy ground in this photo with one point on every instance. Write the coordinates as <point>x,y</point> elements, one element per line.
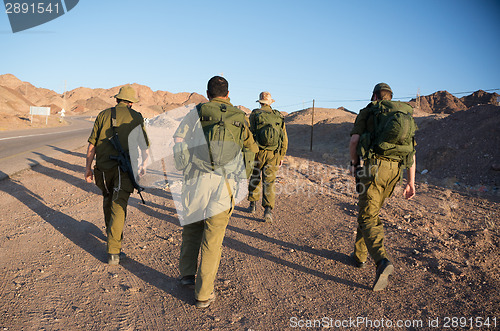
<point>295,272</point>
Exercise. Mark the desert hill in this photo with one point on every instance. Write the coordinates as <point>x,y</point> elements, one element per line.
<point>330,135</point>
<point>462,148</point>
<point>244,109</point>
<point>480,98</point>
<point>16,96</point>
<point>456,150</point>
<point>304,116</point>
<point>445,102</point>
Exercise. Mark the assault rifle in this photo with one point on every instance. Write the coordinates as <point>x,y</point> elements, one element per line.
<point>123,157</point>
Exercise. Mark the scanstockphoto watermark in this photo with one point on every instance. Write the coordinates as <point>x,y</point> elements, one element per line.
<point>447,322</point>
<point>356,322</point>
<point>26,14</point>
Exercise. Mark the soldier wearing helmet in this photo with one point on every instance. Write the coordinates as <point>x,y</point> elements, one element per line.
<point>377,173</point>
<point>115,184</point>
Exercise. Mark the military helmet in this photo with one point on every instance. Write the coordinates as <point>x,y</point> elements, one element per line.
<point>381,86</point>
<point>127,93</point>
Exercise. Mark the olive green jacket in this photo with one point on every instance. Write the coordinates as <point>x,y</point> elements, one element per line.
<point>127,119</point>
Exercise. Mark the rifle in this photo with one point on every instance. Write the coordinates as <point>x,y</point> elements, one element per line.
<point>123,157</point>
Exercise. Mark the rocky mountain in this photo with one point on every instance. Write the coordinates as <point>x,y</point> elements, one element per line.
<point>445,102</point>
<point>330,134</point>
<point>462,147</point>
<point>480,98</point>
<point>16,96</point>
<point>245,109</point>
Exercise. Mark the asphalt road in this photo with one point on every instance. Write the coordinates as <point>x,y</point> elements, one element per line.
<point>23,149</point>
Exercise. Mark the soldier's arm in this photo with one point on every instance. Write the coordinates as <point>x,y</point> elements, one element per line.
<point>358,129</point>
<point>94,137</point>
<point>284,145</point>
<point>252,121</point>
<point>248,141</point>
<point>409,191</point>
<point>89,175</point>
<point>185,125</point>
<point>144,147</point>
<point>353,147</point>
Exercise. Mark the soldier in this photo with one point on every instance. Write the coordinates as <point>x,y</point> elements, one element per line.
<point>383,158</point>
<point>114,183</point>
<point>268,128</point>
<point>214,165</point>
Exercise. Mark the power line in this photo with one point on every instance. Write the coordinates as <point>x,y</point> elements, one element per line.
<point>304,103</point>
<point>296,104</point>
<point>395,98</point>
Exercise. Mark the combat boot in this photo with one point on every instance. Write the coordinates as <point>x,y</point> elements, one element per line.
<point>113,259</point>
<point>205,303</point>
<point>384,269</point>
<point>268,217</point>
<point>358,264</point>
<point>188,281</point>
<point>253,207</point>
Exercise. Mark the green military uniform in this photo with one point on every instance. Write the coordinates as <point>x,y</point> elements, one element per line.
<point>378,178</point>
<point>266,165</point>
<point>207,196</point>
<point>115,184</point>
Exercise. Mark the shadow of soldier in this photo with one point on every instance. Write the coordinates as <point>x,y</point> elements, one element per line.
<point>65,151</point>
<point>257,252</point>
<point>84,234</point>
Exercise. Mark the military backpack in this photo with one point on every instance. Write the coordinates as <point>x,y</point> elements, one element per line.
<point>223,127</point>
<point>268,129</point>
<point>393,134</point>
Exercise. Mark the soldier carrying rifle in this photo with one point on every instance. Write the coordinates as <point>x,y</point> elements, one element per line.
<point>108,142</point>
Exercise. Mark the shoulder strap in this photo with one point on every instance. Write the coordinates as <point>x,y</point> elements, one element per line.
<point>223,110</point>
<point>113,120</point>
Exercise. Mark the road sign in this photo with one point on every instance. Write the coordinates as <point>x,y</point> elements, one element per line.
<point>44,111</point>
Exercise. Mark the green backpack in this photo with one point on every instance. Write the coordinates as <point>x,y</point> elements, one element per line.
<point>268,129</point>
<point>393,136</point>
<point>223,127</point>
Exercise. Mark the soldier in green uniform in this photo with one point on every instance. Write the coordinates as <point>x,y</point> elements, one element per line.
<point>115,184</point>
<point>209,183</point>
<point>268,128</point>
<point>377,180</point>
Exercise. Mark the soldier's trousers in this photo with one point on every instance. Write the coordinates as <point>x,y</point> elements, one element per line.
<point>266,166</point>
<point>208,193</point>
<point>116,188</point>
<point>378,182</point>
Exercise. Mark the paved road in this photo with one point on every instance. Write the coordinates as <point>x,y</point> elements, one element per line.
<point>22,149</point>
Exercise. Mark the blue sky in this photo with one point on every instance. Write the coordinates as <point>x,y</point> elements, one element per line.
<point>330,51</point>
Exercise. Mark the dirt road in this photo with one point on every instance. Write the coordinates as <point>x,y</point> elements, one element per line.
<point>291,274</point>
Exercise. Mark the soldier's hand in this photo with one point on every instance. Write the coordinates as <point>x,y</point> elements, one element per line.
<point>409,191</point>
<point>89,176</point>
<point>142,170</point>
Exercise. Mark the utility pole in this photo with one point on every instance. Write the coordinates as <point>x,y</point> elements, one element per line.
<point>417,104</point>
<point>312,127</point>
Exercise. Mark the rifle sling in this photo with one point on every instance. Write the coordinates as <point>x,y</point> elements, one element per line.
<point>131,175</point>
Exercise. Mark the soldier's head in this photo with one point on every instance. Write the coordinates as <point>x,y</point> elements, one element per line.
<point>265,98</point>
<point>382,91</point>
<point>217,87</point>
<point>127,94</point>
